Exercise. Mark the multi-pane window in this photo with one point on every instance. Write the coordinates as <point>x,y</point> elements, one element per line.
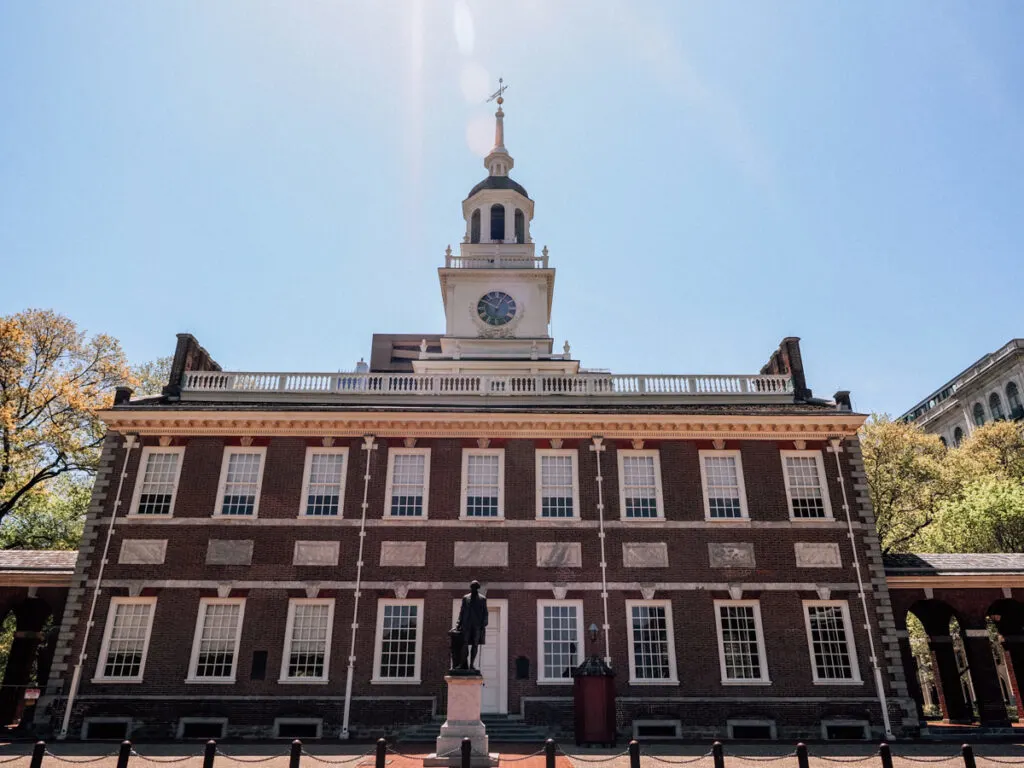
<point>740,643</point>
<point>652,657</point>
<point>157,481</point>
<point>240,479</point>
<point>323,487</point>
<point>215,647</point>
<point>805,484</point>
<point>831,643</point>
<point>408,482</point>
<point>640,484</point>
<point>482,482</point>
<point>129,622</point>
<point>307,640</point>
<point>557,484</point>
<point>397,653</point>
<point>560,637</point>
<point>724,494</point>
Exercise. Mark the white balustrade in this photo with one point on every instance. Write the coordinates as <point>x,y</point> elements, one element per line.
<point>587,384</point>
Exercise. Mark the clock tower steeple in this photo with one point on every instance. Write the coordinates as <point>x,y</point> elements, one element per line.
<point>497,290</point>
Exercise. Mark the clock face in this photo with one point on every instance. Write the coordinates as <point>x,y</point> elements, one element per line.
<point>496,308</point>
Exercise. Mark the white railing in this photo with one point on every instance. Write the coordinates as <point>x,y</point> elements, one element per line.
<point>496,261</point>
<point>459,384</point>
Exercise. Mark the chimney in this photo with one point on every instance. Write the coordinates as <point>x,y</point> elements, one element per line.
<point>843,402</point>
<point>188,356</point>
<point>786,360</point>
<point>122,395</point>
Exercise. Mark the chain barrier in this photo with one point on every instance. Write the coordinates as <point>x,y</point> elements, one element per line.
<point>165,760</point>
<point>562,752</point>
<point>253,759</point>
<point>927,759</point>
<point>48,753</point>
<point>761,758</point>
<point>12,759</point>
<point>415,757</point>
<point>521,757</point>
<point>1011,761</point>
<point>828,759</point>
<point>696,759</point>
<point>320,759</point>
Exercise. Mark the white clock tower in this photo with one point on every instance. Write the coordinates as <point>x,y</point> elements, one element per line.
<point>497,291</point>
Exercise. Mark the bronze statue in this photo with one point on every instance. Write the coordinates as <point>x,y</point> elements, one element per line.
<point>470,630</point>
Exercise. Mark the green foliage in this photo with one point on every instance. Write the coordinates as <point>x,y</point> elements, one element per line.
<point>49,519</point>
<point>931,499</point>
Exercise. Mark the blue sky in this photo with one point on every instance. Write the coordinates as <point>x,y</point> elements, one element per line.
<point>281,178</point>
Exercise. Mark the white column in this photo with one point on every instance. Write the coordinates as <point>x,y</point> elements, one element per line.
<point>510,223</point>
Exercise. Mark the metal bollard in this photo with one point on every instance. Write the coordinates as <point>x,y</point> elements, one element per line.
<point>124,753</point>
<point>801,755</point>
<point>718,754</point>
<point>38,750</point>
<point>296,754</point>
<point>382,752</point>
<point>968,754</point>
<point>209,752</point>
<point>549,753</point>
<point>467,752</point>
<point>634,754</point>
<point>886,754</point>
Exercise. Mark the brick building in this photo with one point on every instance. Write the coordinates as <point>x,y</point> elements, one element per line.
<point>281,553</point>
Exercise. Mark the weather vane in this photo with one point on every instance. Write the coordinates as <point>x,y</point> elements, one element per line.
<point>498,93</point>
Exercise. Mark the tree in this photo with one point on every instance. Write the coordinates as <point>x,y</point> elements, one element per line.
<point>986,516</point>
<point>51,518</point>
<point>906,479</point>
<point>150,378</point>
<point>53,378</point>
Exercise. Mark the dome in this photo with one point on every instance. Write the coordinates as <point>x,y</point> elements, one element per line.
<point>498,182</point>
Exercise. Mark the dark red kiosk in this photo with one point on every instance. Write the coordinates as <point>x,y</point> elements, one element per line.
<point>594,702</point>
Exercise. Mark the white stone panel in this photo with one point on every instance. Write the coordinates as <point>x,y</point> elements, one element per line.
<point>637,554</point>
<point>229,552</point>
<point>489,554</point>
<point>403,553</point>
<point>559,554</point>
<point>731,555</point>
<point>143,551</point>
<point>317,553</point>
<point>811,554</point>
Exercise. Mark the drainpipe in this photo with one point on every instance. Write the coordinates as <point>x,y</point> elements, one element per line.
<point>369,446</point>
<point>598,448</point>
<point>879,687</point>
<point>76,675</point>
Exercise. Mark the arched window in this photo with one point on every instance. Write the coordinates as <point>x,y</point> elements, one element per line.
<point>958,436</point>
<point>1013,400</point>
<point>996,406</point>
<point>474,227</point>
<point>979,415</point>
<point>520,227</point>
<point>497,222</point>
<point>943,441</point>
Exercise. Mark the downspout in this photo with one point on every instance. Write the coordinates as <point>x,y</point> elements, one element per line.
<point>879,686</point>
<point>598,448</point>
<point>369,446</point>
<point>76,675</point>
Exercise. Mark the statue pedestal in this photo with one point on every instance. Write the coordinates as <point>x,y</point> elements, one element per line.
<point>463,721</point>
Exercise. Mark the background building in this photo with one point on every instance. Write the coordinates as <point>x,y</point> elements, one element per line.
<point>282,553</point>
<point>989,390</point>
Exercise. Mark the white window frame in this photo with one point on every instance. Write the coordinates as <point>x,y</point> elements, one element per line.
<point>230,451</point>
<point>286,654</point>
<point>822,480</point>
<point>573,454</point>
<point>183,721</point>
<point>673,678</point>
<point>308,471</point>
<point>621,455</point>
<point>761,679</point>
<point>392,452</point>
<point>851,645</point>
<point>100,677</point>
<point>197,637</point>
<point>378,646</point>
<point>140,476</point>
<point>317,721</point>
<point>744,511</point>
<point>541,605</point>
<point>466,453</point>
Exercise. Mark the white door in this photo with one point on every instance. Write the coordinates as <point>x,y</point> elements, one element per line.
<point>492,661</point>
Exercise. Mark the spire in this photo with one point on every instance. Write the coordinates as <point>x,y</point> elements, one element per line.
<point>498,161</point>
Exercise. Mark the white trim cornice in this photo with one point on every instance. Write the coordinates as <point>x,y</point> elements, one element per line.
<point>812,426</point>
